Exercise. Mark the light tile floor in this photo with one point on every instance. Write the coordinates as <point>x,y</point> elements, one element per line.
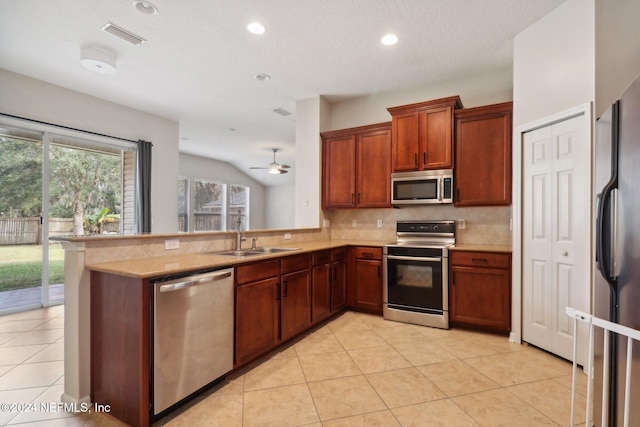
<point>357,370</point>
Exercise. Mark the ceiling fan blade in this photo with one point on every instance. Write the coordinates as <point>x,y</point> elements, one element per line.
<point>274,167</point>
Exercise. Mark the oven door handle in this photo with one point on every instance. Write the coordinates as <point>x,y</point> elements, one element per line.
<point>414,258</point>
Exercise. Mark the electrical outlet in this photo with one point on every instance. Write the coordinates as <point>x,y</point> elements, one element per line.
<point>462,224</point>
<point>354,223</point>
<point>326,223</point>
<point>170,244</point>
<point>287,236</point>
<point>379,223</point>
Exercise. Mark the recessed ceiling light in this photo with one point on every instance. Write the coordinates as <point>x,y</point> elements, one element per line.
<point>145,7</point>
<point>256,28</point>
<point>262,77</point>
<point>389,40</point>
<point>99,60</point>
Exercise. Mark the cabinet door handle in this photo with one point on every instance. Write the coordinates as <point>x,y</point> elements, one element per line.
<point>367,254</point>
<point>353,196</point>
<point>359,198</point>
<point>457,194</point>
<point>424,158</point>
<point>415,159</point>
<point>286,289</point>
<point>379,272</point>
<point>277,291</point>
<point>335,274</point>
<point>482,260</point>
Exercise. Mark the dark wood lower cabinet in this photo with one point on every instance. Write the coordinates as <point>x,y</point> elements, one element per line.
<point>258,294</point>
<point>257,318</point>
<point>321,283</point>
<point>120,351</point>
<point>366,279</point>
<point>338,279</point>
<point>296,303</point>
<point>480,290</point>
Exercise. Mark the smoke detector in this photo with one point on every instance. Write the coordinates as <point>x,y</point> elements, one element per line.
<point>98,60</point>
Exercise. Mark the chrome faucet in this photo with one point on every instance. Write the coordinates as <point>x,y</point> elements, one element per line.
<point>240,234</point>
<point>239,239</point>
<point>254,242</point>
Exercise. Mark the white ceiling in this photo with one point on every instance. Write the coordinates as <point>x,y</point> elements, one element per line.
<point>199,62</point>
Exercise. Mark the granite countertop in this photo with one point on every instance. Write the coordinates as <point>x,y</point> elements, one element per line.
<point>472,247</point>
<point>175,264</point>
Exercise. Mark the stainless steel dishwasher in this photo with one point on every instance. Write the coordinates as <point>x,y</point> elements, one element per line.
<point>193,334</point>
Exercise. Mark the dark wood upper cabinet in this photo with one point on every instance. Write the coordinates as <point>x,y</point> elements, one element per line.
<point>483,155</point>
<point>338,172</point>
<point>356,167</point>
<point>422,135</point>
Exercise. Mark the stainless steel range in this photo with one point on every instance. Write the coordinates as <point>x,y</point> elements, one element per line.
<point>416,273</point>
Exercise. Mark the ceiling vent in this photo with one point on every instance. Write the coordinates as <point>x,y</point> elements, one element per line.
<point>125,35</point>
<point>281,111</point>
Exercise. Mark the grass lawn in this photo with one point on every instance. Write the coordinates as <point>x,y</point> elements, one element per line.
<point>21,266</point>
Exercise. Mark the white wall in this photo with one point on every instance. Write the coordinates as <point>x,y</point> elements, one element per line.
<point>280,207</point>
<point>312,117</point>
<point>617,49</point>
<point>34,99</point>
<point>194,167</point>
<point>553,72</point>
<point>554,63</point>
<point>474,91</point>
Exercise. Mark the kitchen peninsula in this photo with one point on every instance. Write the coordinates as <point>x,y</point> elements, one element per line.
<point>133,261</point>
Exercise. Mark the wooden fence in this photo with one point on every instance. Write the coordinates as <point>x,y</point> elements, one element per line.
<point>20,231</point>
<point>28,231</point>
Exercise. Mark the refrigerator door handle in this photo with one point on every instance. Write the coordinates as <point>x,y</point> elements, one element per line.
<point>605,226</point>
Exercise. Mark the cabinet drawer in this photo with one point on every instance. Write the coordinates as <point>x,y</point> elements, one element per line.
<point>480,259</point>
<point>255,271</point>
<point>295,263</point>
<point>339,254</point>
<point>368,253</point>
<point>322,257</point>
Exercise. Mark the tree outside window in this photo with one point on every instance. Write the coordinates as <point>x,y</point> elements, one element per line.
<point>209,205</point>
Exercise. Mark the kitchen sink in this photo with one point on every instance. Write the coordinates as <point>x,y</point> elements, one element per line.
<point>254,252</point>
<point>273,250</point>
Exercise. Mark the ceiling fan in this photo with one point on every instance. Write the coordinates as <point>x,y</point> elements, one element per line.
<point>275,167</point>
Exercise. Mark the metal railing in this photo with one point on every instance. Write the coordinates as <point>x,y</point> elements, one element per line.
<point>608,327</point>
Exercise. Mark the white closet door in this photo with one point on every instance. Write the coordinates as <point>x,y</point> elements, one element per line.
<point>556,233</point>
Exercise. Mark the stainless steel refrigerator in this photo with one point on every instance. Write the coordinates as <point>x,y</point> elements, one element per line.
<point>616,292</point>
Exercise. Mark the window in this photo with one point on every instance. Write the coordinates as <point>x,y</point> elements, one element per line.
<point>209,206</point>
<point>183,204</point>
<point>238,206</point>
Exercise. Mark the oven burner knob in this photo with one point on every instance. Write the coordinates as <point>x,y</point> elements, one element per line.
<point>435,227</point>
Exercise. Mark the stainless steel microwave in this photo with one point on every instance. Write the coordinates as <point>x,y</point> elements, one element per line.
<point>422,187</point>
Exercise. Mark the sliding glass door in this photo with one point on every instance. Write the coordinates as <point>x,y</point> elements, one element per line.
<point>21,211</point>
<point>55,185</point>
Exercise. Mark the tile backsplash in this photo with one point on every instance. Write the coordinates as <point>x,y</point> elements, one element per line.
<point>483,225</point>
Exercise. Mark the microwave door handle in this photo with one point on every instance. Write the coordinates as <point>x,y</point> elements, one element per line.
<point>441,191</point>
